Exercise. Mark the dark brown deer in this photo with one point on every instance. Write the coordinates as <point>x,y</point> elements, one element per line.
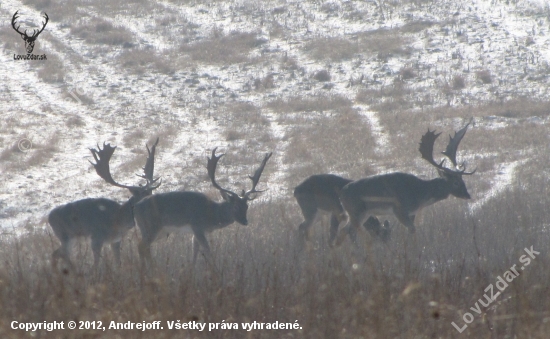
<point>193,211</point>
<point>103,220</point>
<point>402,194</point>
<point>322,192</point>
<point>29,40</point>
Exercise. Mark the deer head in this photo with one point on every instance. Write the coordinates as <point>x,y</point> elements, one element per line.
<point>29,40</point>
<point>239,202</point>
<point>454,177</point>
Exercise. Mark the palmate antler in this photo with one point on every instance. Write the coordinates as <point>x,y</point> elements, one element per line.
<point>211,167</point>
<point>150,164</point>
<point>256,177</point>
<point>427,144</point>
<point>102,158</point>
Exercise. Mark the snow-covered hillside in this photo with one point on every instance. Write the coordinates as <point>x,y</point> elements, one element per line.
<point>250,77</point>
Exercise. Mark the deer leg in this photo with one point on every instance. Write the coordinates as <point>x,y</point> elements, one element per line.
<point>418,217</point>
<point>303,231</point>
<point>309,211</point>
<point>97,244</point>
<point>144,220</point>
<point>377,229</point>
<point>355,220</point>
<point>56,255</point>
<point>196,248</point>
<point>372,226</point>
<point>116,251</point>
<point>385,234</point>
<point>144,249</point>
<point>405,219</point>
<point>148,235</point>
<point>352,233</point>
<point>63,252</point>
<point>356,210</point>
<point>334,224</point>
<point>337,217</point>
<point>200,238</point>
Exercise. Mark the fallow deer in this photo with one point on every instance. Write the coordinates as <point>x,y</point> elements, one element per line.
<point>194,211</point>
<point>321,192</point>
<point>103,220</point>
<point>402,194</point>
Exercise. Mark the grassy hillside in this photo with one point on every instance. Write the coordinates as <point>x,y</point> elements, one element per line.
<point>329,87</point>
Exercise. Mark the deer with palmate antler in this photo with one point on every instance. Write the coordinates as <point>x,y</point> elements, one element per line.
<point>193,211</point>
<point>103,220</point>
<point>402,194</point>
<point>322,192</point>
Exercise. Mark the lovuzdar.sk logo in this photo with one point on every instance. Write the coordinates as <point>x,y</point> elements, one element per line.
<point>29,39</point>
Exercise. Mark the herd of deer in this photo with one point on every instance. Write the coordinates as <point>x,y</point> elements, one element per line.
<point>107,221</point>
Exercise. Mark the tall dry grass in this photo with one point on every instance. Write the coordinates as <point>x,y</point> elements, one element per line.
<point>411,288</point>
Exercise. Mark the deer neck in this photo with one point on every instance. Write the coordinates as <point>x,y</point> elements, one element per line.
<point>224,215</point>
<point>126,212</point>
<point>437,189</point>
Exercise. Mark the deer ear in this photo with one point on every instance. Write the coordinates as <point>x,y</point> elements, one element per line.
<point>442,173</point>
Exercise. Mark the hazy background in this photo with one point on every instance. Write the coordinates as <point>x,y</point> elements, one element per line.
<point>328,87</point>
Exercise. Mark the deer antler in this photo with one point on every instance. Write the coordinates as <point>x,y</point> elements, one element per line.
<point>35,33</point>
<point>452,147</point>
<point>150,164</point>
<point>102,158</point>
<point>13,19</point>
<point>427,144</point>
<point>427,147</point>
<point>256,177</point>
<point>211,168</point>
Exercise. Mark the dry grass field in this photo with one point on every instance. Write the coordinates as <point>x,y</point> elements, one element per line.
<point>412,287</point>
<point>343,87</point>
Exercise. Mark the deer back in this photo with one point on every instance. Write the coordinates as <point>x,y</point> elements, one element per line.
<point>323,189</point>
<point>87,217</point>
<point>178,209</point>
<point>321,184</point>
<point>401,189</point>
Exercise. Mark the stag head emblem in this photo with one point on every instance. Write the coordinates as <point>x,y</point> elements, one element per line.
<point>29,40</point>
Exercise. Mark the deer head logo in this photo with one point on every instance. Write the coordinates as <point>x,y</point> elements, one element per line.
<point>29,40</point>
